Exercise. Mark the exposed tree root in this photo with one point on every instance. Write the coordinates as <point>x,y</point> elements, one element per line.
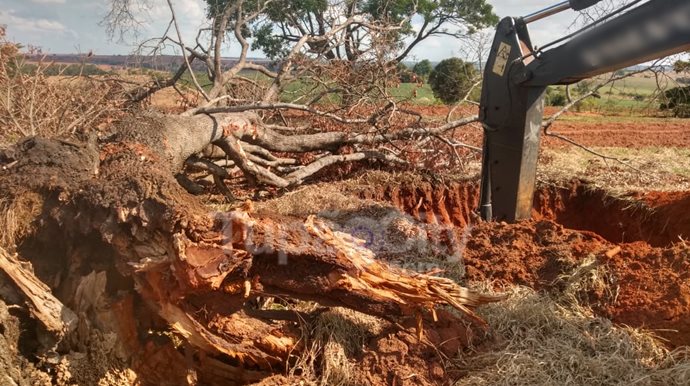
<point>118,205</point>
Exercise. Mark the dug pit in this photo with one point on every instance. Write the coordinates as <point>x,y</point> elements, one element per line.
<point>656,218</point>
<point>632,248</point>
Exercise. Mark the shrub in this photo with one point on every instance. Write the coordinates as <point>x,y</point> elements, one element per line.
<point>639,97</point>
<point>555,97</point>
<point>423,69</point>
<point>452,80</point>
<point>405,75</point>
<point>677,100</point>
<point>587,104</point>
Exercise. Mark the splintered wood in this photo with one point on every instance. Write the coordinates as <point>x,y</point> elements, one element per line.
<point>46,308</point>
<point>248,255</point>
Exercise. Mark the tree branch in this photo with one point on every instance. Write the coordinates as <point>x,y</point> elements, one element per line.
<point>184,55</point>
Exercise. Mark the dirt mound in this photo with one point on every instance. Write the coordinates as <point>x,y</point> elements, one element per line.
<point>645,284</point>
<point>654,290</point>
<point>531,253</point>
<point>642,286</point>
<point>399,359</point>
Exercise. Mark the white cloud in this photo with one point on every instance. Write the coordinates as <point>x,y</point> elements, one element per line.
<point>440,47</point>
<point>22,24</point>
<point>192,9</point>
<point>184,10</point>
<point>48,1</point>
<point>190,14</point>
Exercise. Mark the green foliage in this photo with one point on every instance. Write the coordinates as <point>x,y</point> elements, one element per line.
<point>555,96</point>
<point>420,95</point>
<point>587,104</point>
<point>583,87</point>
<point>452,79</point>
<point>681,66</point>
<point>272,45</point>
<point>677,100</point>
<point>475,14</point>
<point>284,22</point>
<point>423,68</point>
<point>405,75</point>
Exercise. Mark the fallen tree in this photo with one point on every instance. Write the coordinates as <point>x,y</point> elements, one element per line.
<point>107,227</point>
<point>326,96</point>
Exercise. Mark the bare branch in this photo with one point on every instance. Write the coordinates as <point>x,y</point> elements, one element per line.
<point>233,149</point>
<point>184,55</point>
<point>612,79</point>
<point>309,170</point>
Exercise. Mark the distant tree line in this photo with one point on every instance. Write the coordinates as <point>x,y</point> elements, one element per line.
<point>65,69</point>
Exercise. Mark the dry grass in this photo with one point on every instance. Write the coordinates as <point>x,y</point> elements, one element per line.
<point>343,196</point>
<point>312,199</point>
<point>16,218</point>
<point>587,277</point>
<point>340,196</point>
<point>555,339</point>
<point>538,341</point>
<point>333,339</point>
<point>658,169</point>
<point>8,224</point>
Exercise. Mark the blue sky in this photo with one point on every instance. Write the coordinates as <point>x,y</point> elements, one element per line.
<point>70,26</point>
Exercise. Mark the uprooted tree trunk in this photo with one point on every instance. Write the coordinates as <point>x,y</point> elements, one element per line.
<point>111,217</point>
<point>240,143</point>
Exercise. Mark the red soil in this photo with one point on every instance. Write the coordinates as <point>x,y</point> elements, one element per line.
<point>595,130</point>
<point>656,218</point>
<point>632,135</point>
<point>650,277</point>
<point>627,134</point>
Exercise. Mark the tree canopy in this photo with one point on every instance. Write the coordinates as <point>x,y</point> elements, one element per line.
<point>452,80</point>
<point>282,23</point>
<point>423,68</point>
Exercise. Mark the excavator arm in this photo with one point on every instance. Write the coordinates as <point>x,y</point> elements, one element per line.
<point>516,77</point>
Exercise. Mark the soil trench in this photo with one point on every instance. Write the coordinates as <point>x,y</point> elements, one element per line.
<point>645,284</point>
<point>656,218</point>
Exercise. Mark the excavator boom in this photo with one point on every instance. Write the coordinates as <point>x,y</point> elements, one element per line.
<point>516,77</point>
